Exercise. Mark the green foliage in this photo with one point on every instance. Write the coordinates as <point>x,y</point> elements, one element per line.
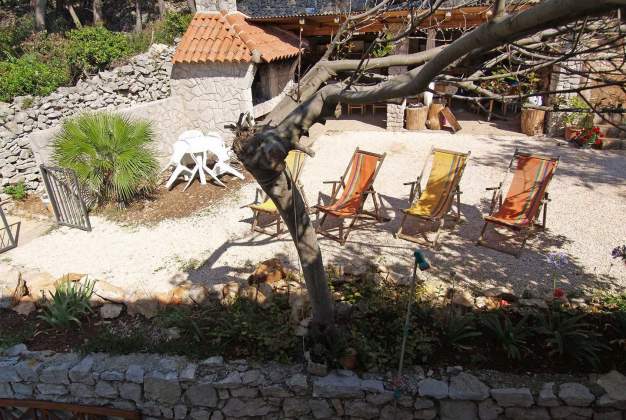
<point>16,191</point>
<point>174,25</point>
<point>568,336</point>
<point>508,336</point>
<point>384,48</point>
<point>93,48</point>
<point>615,301</point>
<point>111,154</point>
<point>28,75</point>
<point>114,341</point>
<point>68,304</point>
<point>12,336</point>
<point>578,119</point>
<point>456,331</point>
<point>13,34</point>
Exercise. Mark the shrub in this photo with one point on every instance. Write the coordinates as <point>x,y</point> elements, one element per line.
<point>111,155</point>
<point>13,34</point>
<point>174,24</point>
<point>68,303</point>
<point>27,75</point>
<point>16,191</point>
<point>509,337</point>
<point>93,48</point>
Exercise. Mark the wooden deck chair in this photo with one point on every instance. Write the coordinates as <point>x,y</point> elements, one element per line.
<point>355,186</point>
<point>526,198</point>
<point>266,209</point>
<point>435,202</point>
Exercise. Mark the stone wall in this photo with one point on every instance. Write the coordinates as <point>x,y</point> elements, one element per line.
<point>145,78</point>
<point>175,387</point>
<point>216,5</point>
<point>213,94</point>
<point>561,80</point>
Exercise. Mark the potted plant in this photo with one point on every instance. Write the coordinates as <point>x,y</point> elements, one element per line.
<point>590,137</point>
<point>574,122</point>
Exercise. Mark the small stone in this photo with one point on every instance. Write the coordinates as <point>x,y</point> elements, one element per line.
<point>51,389</point>
<point>467,387</point>
<point>130,391</point>
<point>335,386</point>
<point>161,389</point>
<point>141,304</point>
<point>295,407</point>
<point>298,383</point>
<point>16,350</point>
<point>614,383</point>
<point>250,408</point>
<point>189,372</point>
<point>380,398</point>
<point>361,409</point>
<point>105,390</point>
<point>489,410</point>
<point>547,398</point>
<point>213,361</point>
<point>135,373</point>
<point>111,310</point>
<point>389,412</point>
<point>513,397</point>
<point>571,413</point>
<point>82,390</point>
<point>575,394</point>
<point>232,380</point>
<point>23,390</point>
<point>608,415</point>
<point>433,388</point>
<point>180,411</point>
<point>457,410</point>
<point>460,297</point>
<point>111,375</point>
<point>25,308</point>
<point>203,395</point>
<point>321,409</point>
<point>535,413</point>
<point>423,403</point>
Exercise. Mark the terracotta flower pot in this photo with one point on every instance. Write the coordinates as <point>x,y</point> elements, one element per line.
<point>571,133</point>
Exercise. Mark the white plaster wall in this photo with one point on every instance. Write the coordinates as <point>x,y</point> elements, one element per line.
<point>214,94</point>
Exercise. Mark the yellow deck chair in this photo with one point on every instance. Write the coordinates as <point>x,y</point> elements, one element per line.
<point>264,212</point>
<point>435,202</point>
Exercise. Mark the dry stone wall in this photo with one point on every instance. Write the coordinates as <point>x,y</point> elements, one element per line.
<point>175,387</point>
<point>145,78</point>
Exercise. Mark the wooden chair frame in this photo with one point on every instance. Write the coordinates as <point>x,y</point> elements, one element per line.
<point>356,219</point>
<point>276,224</point>
<point>417,188</point>
<point>523,231</point>
<point>359,107</point>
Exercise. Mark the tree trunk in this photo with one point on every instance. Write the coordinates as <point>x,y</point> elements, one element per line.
<point>192,5</point>
<point>97,12</point>
<point>138,19</point>
<point>39,9</point>
<point>162,9</point>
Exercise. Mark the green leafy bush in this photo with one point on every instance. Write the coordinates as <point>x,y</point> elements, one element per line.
<point>68,304</point>
<point>174,24</point>
<point>111,154</point>
<point>13,34</point>
<point>93,48</point>
<point>16,191</point>
<point>27,75</point>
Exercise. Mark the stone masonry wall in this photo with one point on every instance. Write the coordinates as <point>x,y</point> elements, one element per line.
<point>145,78</point>
<point>216,5</point>
<point>175,387</point>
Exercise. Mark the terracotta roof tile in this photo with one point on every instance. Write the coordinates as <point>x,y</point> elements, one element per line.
<point>221,37</point>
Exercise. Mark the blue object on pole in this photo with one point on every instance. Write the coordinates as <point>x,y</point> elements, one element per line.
<point>421,261</point>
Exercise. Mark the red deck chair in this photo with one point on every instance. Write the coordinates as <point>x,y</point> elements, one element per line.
<point>354,189</point>
<point>526,197</point>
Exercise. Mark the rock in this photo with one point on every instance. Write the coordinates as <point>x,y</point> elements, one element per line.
<point>298,383</point>
<point>389,412</point>
<point>142,304</point>
<point>111,310</point>
<point>427,414</point>
<point>614,383</point>
<point>489,410</point>
<point>51,389</point>
<point>39,285</point>
<point>534,303</point>
<point>82,390</point>
<point>135,374</point>
<point>213,361</point>
<point>57,371</point>
<point>467,387</point>
<point>12,287</point>
<point>15,350</point>
<point>362,409</point>
<point>295,407</point>
<point>335,386</point>
<point>188,373</point>
<point>320,409</point>
<point>608,415</point>
<point>501,292</point>
<point>433,388</point>
<point>105,390</point>
<point>22,390</point>
<point>513,397</point>
<point>571,413</point>
<point>250,408</point>
<point>423,403</point>
<point>457,410</point>
<point>547,398</point>
<point>107,292</point>
<point>230,291</point>
<point>253,293</point>
<point>203,395</point>
<point>25,308</point>
<point>112,375</point>
<point>162,389</point>
<point>460,297</point>
<point>81,372</point>
<point>575,394</point>
<point>269,271</point>
<point>535,413</point>
<point>9,369</point>
<point>232,380</point>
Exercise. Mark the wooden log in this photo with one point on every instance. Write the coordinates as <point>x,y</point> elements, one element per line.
<point>416,118</point>
<point>433,116</point>
<point>532,121</point>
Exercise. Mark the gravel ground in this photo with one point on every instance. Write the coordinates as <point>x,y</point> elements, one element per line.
<point>586,220</point>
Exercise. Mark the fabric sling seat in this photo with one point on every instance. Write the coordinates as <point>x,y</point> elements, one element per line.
<point>526,198</point>
<point>436,201</point>
<point>294,163</point>
<point>356,185</point>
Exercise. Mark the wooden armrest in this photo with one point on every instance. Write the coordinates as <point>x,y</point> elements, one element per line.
<point>410,183</point>
<point>332,182</point>
<point>493,188</point>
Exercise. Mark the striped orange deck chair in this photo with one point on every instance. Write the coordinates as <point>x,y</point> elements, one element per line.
<point>526,198</point>
<point>349,194</point>
<point>264,212</point>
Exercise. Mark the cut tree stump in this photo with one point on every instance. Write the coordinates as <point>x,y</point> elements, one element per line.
<point>433,116</point>
<point>532,121</point>
<point>416,118</point>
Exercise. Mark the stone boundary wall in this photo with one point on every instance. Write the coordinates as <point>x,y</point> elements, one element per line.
<point>144,79</point>
<point>175,387</point>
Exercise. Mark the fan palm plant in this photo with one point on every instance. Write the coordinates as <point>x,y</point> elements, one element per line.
<point>111,154</point>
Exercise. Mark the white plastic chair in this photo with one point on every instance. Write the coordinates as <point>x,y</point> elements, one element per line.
<point>176,160</point>
<point>222,166</point>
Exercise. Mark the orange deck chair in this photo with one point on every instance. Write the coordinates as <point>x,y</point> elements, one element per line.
<point>433,204</point>
<point>527,196</point>
<point>264,213</point>
<point>360,173</point>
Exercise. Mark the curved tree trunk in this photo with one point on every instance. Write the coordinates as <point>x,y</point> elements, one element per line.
<point>39,10</point>
<point>97,12</point>
<point>138,17</point>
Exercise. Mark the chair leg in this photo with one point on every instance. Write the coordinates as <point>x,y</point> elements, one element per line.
<point>399,231</point>
<point>481,238</point>
<point>438,233</point>
<point>255,219</point>
<point>344,238</point>
<point>377,207</point>
<point>458,206</point>
<point>175,174</point>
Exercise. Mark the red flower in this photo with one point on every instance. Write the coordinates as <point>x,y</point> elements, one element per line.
<point>558,293</point>
<point>504,303</point>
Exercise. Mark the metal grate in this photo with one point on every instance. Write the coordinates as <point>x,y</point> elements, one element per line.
<point>66,197</point>
<point>28,409</point>
<point>8,239</point>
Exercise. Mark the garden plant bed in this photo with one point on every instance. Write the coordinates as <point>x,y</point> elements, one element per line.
<point>175,203</point>
<point>256,324</point>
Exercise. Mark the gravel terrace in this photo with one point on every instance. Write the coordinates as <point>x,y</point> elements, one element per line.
<point>586,220</point>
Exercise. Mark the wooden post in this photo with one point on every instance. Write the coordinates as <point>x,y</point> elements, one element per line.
<point>532,121</point>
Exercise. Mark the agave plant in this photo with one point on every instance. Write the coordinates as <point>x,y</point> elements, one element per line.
<point>509,337</point>
<point>68,304</point>
<point>111,154</point>
<point>570,336</point>
<point>457,331</point>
